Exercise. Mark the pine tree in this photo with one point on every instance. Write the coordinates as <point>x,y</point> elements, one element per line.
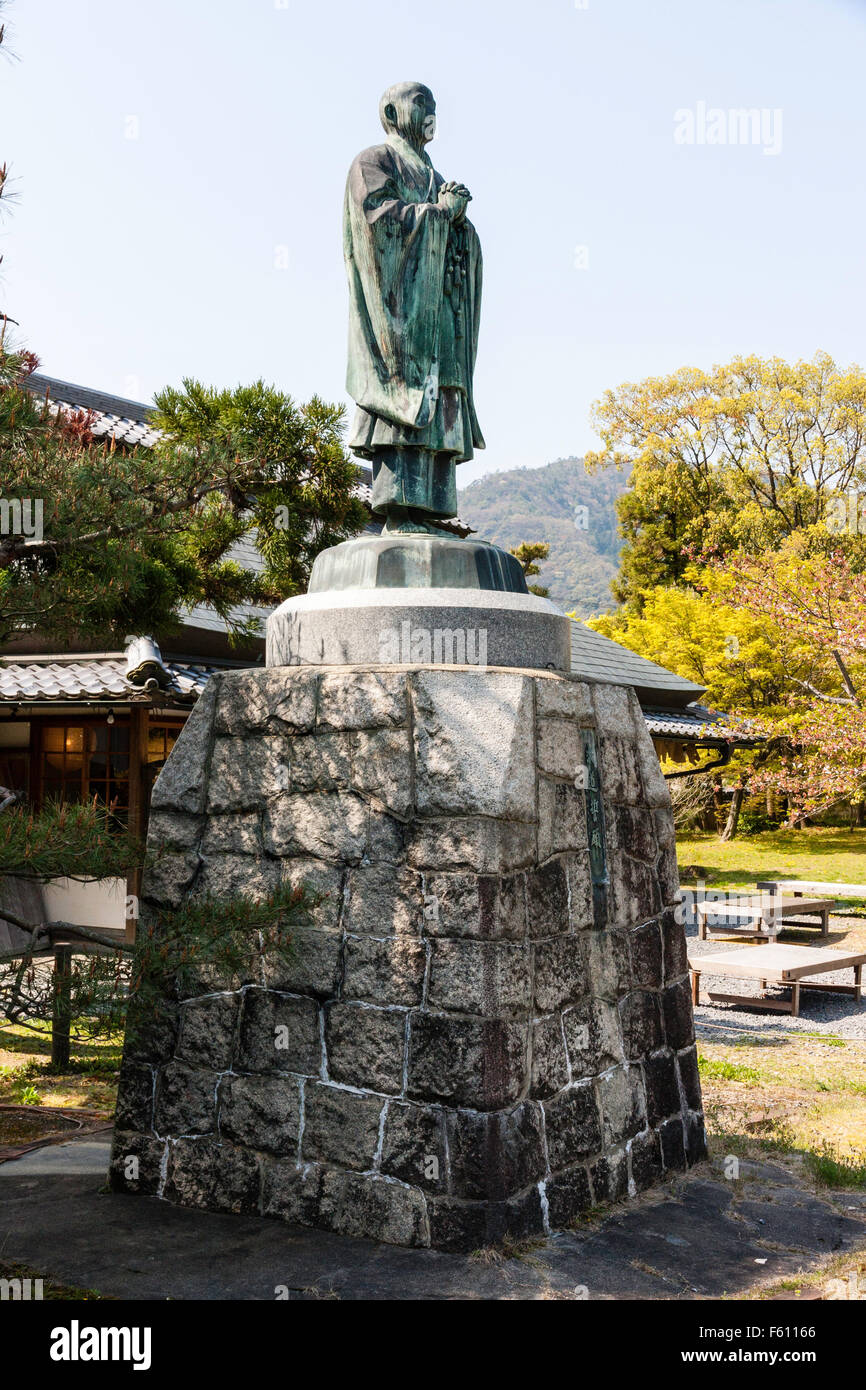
<point>527,553</point>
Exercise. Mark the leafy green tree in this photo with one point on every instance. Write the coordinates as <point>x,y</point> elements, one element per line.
<point>128,539</point>
<point>741,657</point>
<point>294,487</point>
<point>779,641</point>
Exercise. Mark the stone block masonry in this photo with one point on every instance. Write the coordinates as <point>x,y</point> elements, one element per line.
<point>488,1028</point>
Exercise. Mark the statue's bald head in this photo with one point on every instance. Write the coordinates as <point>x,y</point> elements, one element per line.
<point>409,109</point>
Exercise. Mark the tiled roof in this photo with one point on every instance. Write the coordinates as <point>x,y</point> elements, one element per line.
<point>90,678</point>
<point>102,678</point>
<point>695,722</point>
<point>114,417</point>
<point>603,660</point>
<point>129,423</point>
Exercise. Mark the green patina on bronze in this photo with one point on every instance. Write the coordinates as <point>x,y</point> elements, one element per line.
<point>414,267</point>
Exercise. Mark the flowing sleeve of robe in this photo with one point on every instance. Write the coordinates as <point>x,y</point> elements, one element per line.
<point>395,244</point>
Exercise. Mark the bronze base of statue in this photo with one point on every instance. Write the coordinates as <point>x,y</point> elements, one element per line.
<point>416,559</point>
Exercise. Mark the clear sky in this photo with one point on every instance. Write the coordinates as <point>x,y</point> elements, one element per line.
<point>180,167</point>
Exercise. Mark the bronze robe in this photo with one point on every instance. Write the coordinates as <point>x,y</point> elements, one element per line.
<point>415,299</point>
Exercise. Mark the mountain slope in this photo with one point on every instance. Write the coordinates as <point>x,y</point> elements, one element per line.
<point>543,504</point>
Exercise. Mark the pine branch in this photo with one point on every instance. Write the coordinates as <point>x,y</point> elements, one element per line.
<point>65,929</point>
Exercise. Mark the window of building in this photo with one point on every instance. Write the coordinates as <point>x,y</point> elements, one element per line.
<point>78,761</point>
<point>161,738</point>
<point>81,761</point>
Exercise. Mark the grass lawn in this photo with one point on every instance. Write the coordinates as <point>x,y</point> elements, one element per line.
<point>836,856</point>
<point>798,1097</point>
<point>819,852</point>
<point>28,1078</point>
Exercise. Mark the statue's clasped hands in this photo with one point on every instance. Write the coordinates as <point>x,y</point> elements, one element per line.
<point>454,197</point>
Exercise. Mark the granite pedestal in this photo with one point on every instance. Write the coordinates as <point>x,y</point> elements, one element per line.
<point>488,1028</point>
<point>400,627</point>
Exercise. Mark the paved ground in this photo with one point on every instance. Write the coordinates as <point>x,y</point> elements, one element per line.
<point>72,1159</point>
<point>702,1238</point>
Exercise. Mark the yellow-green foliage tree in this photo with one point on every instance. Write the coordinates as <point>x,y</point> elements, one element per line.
<point>753,668</point>
<point>702,634</point>
<point>738,457</point>
<point>745,555</point>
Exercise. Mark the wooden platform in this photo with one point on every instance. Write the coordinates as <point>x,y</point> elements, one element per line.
<point>777,965</point>
<point>762,918</point>
<point>814,885</point>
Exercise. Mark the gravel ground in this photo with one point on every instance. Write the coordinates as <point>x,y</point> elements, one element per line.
<point>835,1014</point>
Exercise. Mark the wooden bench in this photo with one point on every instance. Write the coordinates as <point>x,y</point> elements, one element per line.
<point>777,965</point>
<point>763,918</point>
<point>798,886</point>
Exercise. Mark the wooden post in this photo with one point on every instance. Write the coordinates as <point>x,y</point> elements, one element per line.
<point>61,1004</point>
<point>138,721</point>
<point>696,987</point>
